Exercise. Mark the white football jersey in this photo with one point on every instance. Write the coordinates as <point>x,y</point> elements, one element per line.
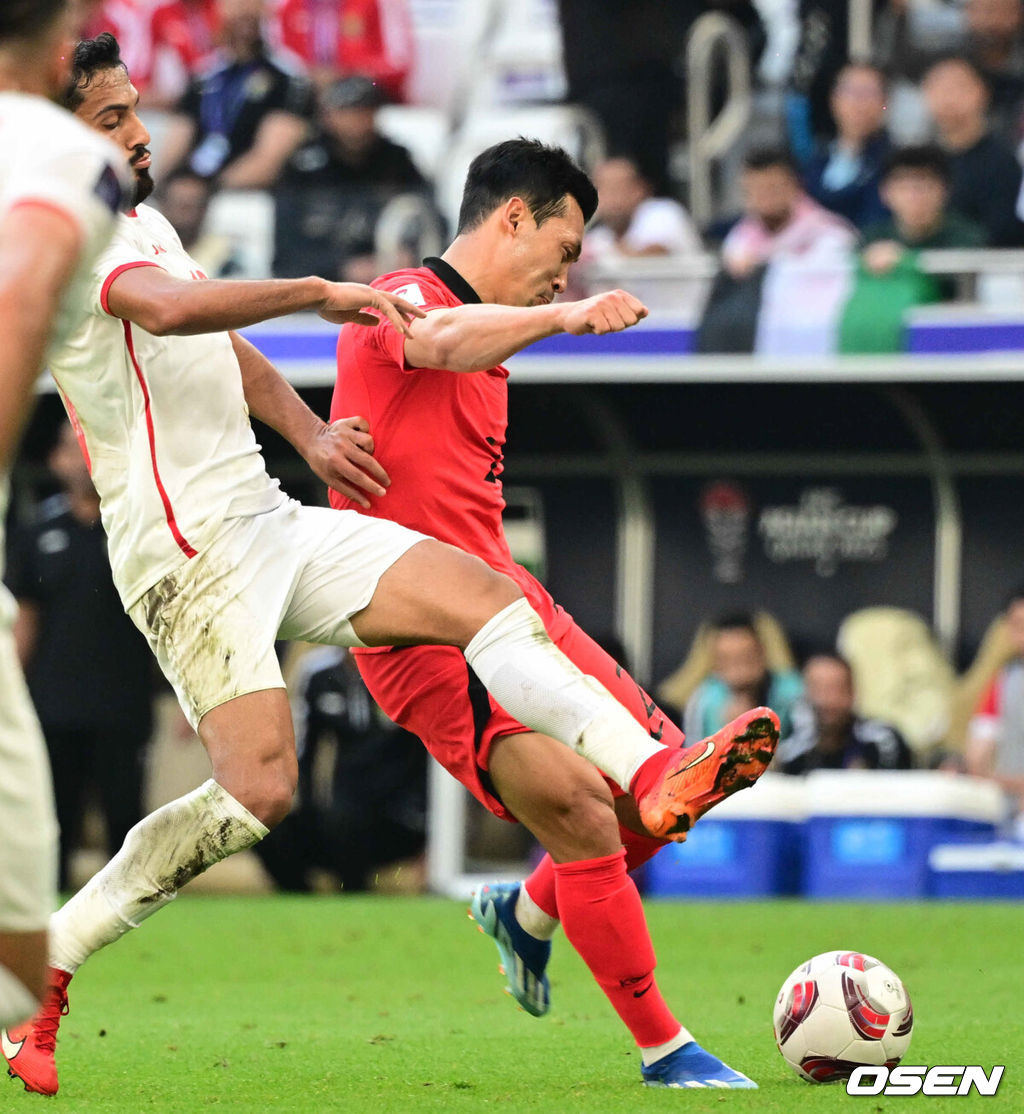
<point>162,419</point>
<point>52,159</point>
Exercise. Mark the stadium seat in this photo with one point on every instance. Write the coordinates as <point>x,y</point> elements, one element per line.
<point>423,130</point>
<point>246,219</point>
<point>901,674</point>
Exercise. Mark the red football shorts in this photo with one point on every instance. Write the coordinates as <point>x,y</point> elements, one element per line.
<point>432,692</point>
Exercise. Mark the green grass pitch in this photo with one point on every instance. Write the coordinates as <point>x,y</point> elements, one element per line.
<point>378,1004</point>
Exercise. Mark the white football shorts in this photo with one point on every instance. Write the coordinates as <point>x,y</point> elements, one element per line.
<point>294,573</point>
<point>28,823</point>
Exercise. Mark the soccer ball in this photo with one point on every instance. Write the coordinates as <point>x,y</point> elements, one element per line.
<point>839,1011</point>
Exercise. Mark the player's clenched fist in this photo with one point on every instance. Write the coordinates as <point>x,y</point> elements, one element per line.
<point>610,312</point>
<point>346,302</point>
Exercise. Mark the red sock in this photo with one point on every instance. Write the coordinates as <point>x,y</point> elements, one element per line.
<point>541,887</point>
<point>603,919</point>
<point>639,848</point>
<point>541,883</point>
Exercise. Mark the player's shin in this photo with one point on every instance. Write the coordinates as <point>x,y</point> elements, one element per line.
<point>159,855</point>
<point>603,919</point>
<point>535,682</point>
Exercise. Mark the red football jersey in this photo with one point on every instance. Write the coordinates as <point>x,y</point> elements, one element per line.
<point>438,434</point>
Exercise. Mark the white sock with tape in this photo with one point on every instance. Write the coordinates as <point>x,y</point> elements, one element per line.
<point>535,682</point>
<point>160,854</point>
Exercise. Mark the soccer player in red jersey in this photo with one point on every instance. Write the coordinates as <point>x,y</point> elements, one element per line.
<point>439,434</point>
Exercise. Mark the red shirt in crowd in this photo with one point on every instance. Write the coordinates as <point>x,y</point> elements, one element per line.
<point>128,22</point>
<point>371,37</point>
<point>187,28</point>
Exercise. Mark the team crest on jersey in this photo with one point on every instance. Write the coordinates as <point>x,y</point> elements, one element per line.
<point>109,190</point>
<point>411,293</point>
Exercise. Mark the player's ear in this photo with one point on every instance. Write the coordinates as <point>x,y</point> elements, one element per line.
<point>513,214</point>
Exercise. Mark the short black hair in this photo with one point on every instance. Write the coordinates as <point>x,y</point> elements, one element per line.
<point>24,19</point>
<point>833,656</point>
<point>924,158</point>
<point>736,620</point>
<point>92,56</point>
<point>769,158</point>
<point>541,175</point>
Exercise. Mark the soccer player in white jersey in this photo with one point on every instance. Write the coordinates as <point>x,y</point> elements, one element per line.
<point>214,562</point>
<point>60,187</point>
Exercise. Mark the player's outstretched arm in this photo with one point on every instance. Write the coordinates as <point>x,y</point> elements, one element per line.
<point>341,453</point>
<point>39,249</point>
<point>477,337</point>
<point>167,306</point>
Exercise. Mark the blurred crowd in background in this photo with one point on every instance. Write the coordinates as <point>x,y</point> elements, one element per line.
<point>332,136</point>
<point>852,158</point>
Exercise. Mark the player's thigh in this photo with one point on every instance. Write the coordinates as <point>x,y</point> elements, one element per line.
<point>560,797</point>
<point>28,827</point>
<point>370,582</point>
<point>213,621</point>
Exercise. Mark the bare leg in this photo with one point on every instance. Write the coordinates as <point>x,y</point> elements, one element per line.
<point>22,975</point>
<point>437,594</point>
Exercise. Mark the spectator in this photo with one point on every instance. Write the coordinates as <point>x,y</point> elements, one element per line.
<point>632,222</point>
<point>889,281</point>
<point>336,38</point>
<point>740,680</point>
<point>916,185</point>
<point>995,735</point>
<point>823,49</point>
<point>185,202</point>
<point>362,783</point>
<point>244,116</point>
<point>779,218</point>
<point>986,176</point>
<point>335,186</point>
<point>750,303</point>
<point>828,735</point>
<point>995,41</point>
<point>87,666</point>
<point>184,35</point>
<point>844,173</point>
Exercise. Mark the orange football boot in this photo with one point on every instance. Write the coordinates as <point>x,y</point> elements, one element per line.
<point>698,777</point>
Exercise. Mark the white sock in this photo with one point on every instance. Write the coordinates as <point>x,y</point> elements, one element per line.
<point>657,1051</point>
<point>17,1002</point>
<point>160,854</point>
<point>532,918</point>
<point>535,682</point>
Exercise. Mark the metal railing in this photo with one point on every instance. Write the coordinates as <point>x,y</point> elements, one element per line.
<point>713,36</point>
<point>409,217</point>
<point>860,30</point>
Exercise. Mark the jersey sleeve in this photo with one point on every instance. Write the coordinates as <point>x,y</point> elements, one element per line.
<point>424,292</point>
<point>80,182</point>
<point>122,254</point>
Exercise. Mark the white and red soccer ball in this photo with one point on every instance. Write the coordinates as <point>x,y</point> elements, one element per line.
<point>840,1011</point>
